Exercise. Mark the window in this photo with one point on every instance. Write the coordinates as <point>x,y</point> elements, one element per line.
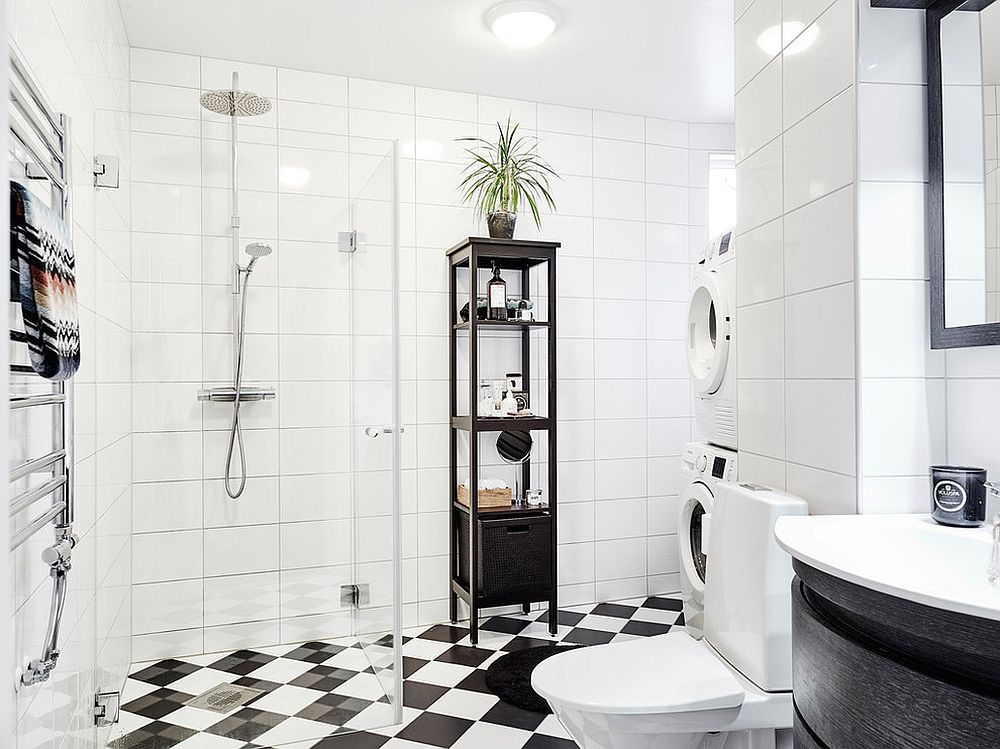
<point>721,193</point>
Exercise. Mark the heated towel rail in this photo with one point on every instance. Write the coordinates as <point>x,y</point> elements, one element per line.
<point>41,150</point>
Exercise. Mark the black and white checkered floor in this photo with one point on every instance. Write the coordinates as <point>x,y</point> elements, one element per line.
<point>327,696</point>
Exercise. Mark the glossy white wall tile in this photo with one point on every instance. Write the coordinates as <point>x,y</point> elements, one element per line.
<point>819,64</point>
<point>632,208</point>
<point>80,58</point>
<point>820,424</point>
<point>819,152</point>
<point>758,39</point>
<point>819,243</point>
<point>819,333</point>
<point>795,144</point>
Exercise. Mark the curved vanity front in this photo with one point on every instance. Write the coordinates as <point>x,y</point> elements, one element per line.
<point>896,634</point>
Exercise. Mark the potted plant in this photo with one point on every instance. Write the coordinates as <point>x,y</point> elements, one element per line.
<point>505,176</point>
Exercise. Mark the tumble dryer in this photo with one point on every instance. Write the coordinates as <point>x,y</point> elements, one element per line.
<point>703,468</point>
<point>711,343</point>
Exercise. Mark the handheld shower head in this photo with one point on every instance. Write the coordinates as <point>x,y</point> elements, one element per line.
<point>257,250</point>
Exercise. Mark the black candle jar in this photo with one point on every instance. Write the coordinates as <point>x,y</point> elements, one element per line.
<point>958,495</point>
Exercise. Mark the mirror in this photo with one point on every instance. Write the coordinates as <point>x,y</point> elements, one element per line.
<point>514,447</point>
<point>963,100</point>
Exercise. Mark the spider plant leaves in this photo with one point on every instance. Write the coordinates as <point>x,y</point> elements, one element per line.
<point>508,174</point>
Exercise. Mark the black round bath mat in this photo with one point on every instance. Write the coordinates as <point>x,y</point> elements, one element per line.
<point>509,677</point>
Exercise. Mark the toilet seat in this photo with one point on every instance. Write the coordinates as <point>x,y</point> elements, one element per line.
<point>665,674</point>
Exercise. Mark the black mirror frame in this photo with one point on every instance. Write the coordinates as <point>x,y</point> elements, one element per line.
<point>985,334</point>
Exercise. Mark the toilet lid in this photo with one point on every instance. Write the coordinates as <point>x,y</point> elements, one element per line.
<point>670,673</point>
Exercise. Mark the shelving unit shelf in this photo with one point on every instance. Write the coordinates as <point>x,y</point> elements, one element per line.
<point>484,573</point>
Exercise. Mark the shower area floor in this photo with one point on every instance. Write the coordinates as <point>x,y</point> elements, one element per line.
<point>295,696</point>
<point>326,695</point>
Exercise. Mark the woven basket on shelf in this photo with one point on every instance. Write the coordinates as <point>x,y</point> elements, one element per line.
<point>487,497</point>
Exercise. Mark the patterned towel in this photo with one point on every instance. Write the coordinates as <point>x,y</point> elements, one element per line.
<point>44,267</point>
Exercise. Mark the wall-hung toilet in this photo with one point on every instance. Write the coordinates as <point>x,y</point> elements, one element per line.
<point>703,466</point>
<point>731,690</point>
<point>711,343</point>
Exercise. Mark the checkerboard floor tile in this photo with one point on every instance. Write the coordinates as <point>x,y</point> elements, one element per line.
<point>327,695</point>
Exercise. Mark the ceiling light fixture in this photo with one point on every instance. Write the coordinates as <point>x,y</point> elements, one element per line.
<point>524,23</point>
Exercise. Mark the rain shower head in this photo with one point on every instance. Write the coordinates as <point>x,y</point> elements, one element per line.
<point>235,103</point>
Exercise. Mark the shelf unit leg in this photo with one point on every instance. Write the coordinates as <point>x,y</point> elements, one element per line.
<point>474,625</point>
<point>553,617</point>
<point>525,608</point>
<point>453,608</point>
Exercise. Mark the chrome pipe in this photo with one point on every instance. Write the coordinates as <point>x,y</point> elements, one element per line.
<point>34,466</point>
<point>53,175</point>
<point>30,401</point>
<point>235,220</point>
<point>49,134</point>
<point>26,499</point>
<point>34,91</point>
<point>37,524</point>
<point>58,559</point>
<point>65,430</point>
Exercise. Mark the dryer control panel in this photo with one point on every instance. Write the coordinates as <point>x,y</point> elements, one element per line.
<point>709,461</point>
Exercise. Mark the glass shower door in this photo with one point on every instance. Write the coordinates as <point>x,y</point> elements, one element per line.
<point>375,415</point>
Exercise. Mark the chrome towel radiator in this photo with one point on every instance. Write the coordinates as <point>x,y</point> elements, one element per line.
<point>41,149</point>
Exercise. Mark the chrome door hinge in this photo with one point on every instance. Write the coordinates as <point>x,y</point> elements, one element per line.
<point>106,171</point>
<point>106,708</point>
<point>347,241</point>
<point>352,596</point>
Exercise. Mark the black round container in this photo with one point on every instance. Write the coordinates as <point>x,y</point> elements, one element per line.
<point>958,495</point>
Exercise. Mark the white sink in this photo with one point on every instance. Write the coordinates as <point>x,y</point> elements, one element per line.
<point>907,556</point>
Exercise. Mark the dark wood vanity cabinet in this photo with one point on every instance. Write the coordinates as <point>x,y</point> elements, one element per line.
<point>873,671</point>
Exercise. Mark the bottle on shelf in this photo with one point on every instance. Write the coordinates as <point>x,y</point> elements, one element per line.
<point>496,295</point>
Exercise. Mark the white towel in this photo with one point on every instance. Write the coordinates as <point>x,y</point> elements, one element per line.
<point>487,484</point>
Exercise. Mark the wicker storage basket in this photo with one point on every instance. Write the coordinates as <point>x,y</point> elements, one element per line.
<point>487,497</point>
<point>515,558</point>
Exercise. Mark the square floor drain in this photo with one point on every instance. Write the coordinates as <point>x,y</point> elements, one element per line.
<point>225,698</point>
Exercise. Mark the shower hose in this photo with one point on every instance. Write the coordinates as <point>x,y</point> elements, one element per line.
<point>236,430</point>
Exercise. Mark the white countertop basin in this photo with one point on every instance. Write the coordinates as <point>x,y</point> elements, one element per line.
<point>907,556</point>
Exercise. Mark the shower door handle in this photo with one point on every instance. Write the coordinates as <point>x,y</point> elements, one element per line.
<point>375,432</point>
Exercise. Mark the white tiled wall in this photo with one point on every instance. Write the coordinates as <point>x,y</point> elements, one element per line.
<point>632,209</point>
<point>79,54</point>
<point>991,144</point>
<point>901,380</point>
<point>864,240</point>
<point>795,124</point>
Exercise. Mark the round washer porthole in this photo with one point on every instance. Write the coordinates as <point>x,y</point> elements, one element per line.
<point>708,332</point>
<point>696,502</point>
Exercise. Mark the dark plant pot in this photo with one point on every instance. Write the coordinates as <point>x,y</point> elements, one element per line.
<point>501,224</point>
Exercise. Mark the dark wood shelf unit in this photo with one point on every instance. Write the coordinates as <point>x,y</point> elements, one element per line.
<point>524,423</point>
<point>517,256</point>
<point>512,512</point>
<point>503,325</point>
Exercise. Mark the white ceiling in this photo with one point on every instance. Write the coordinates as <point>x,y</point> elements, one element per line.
<point>669,58</point>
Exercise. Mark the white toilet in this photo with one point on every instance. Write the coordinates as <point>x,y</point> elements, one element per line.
<point>730,690</point>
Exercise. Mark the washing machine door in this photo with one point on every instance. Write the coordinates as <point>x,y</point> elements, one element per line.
<point>708,332</point>
<point>697,501</point>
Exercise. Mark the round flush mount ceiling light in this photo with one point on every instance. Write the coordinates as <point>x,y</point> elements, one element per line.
<point>523,23</point>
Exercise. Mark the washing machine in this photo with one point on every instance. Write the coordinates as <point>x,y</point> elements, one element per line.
<point>711,343</point>
<point>703,468</point>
